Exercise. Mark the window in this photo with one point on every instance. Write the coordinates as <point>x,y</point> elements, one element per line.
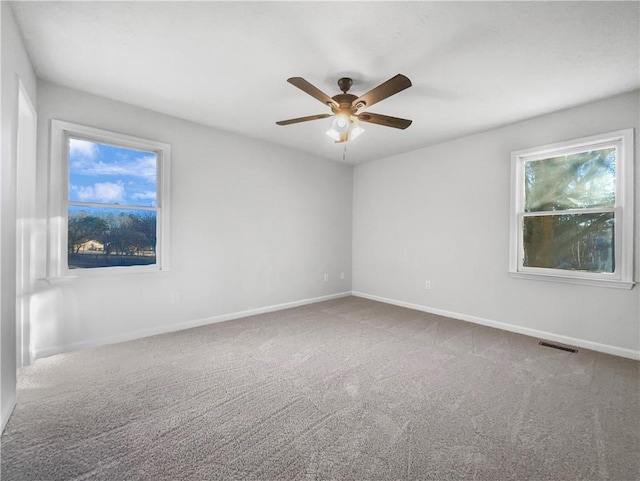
<point>572,211</point>
<point>109,202</point>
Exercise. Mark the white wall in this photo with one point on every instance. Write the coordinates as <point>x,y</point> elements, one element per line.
<point>15,67</point>
<point>442,214</point>
<point>253,225</point>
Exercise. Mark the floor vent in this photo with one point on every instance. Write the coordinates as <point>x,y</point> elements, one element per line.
<point>557,346</point>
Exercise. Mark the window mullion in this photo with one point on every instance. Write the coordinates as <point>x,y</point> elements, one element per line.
<point>569,212</point>
<point>98,205</point>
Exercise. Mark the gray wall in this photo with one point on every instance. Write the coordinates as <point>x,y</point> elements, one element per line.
<point>15,67</point>
<point>442,214</point>
<point>253,226</point>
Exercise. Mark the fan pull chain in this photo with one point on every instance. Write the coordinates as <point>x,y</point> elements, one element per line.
<point>344,153</point>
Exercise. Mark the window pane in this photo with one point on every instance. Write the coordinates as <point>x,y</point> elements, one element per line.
<point>104,174</point>
<point>577,181</point>
<point>111,237</point>
<point>580,242</point>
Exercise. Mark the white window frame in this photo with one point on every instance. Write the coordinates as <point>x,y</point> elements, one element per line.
<point>622,277</point>
<point>59,198</point>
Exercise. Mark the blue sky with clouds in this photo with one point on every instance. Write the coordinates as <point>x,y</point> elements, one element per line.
<point>106,174</point>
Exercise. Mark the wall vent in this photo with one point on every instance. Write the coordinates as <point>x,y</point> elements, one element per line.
<point>558,346</point>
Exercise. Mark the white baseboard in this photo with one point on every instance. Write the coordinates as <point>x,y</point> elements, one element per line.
<point>6,413</point>
<point>572,341</point>
<point>605,348</point>
<point>130,336</point>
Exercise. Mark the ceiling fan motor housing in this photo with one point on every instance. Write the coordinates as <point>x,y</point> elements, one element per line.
<point>345,102</point>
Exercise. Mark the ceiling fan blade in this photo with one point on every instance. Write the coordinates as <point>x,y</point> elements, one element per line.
<point>316,93</point>
<point>387,89</point>
<point>303,119</point>
<point>395,122</point>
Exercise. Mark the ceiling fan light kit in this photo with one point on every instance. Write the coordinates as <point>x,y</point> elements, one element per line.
<point>344,128</point>
<point>345,106</point>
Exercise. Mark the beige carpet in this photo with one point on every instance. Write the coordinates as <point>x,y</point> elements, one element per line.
<point>348,389</point>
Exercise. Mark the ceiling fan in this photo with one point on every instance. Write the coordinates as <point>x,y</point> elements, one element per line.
<point>345,106</point>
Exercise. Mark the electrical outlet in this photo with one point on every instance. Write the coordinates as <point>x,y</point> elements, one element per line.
<point>175,297</point>
<point>326,277</point>
<point>342,275</point>
<point>427,284</point>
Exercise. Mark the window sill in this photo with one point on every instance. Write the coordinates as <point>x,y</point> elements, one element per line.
<point>54,280</point>
<point>584,281</point>
<point>76,274</point>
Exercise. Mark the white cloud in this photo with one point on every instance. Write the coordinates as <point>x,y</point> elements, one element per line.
<point>84,193</point>
<point>146,195</point>
<point>82,149</point>
<point>143,167</point>
<point>103,192</point>
<point>109,192</point>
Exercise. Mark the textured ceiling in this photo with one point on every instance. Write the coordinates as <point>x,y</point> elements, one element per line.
<point>474,65</point>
